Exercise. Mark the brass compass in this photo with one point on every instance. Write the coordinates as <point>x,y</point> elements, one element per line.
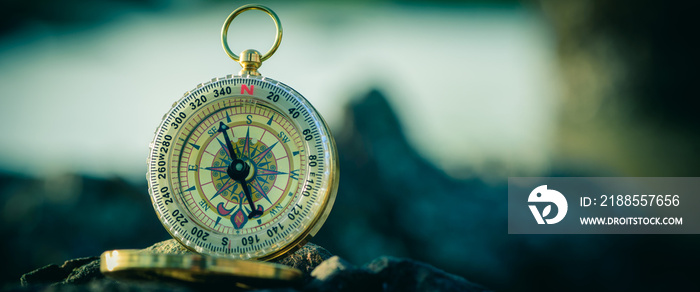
<point>243,166</point>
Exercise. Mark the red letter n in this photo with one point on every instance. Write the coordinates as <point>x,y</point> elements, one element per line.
<point>245,88</point>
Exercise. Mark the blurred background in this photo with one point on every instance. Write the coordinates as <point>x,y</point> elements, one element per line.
<point>434,104</point>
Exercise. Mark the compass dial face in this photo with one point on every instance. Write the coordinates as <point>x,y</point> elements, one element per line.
<point>242,167</point>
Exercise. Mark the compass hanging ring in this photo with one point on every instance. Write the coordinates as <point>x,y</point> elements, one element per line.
<point>224,31</point>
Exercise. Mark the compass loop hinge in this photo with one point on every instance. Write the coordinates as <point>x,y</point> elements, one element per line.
<point>250,61</point>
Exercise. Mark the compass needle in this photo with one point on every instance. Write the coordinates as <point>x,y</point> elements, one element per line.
<point>224,147</point>
<point>238,159</point>
<point>254,211</point>
<point>224,129</point>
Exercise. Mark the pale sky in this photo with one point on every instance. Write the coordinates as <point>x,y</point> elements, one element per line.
<point>471,86</point>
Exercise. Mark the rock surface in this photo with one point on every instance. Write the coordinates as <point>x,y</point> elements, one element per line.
<point>170,246</point>
<point>385,274</point>
<point>323,272</point>
<point>70,272</point>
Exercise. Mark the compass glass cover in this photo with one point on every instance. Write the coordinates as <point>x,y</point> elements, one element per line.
<point>242,167</point>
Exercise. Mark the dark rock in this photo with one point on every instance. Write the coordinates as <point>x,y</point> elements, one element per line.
<point>77,212</point>
<point>335,274</point>
<point>385,274</point>
<point>414,198</point>
<point>329,267</point>
<point>45,275</point>
<point>170,246</point>
<point>324,273</point>
<point>108,285</point>
<point>53,273</point>
<point>408,275</point>
<point>85,273</point>
<point>306,259</point>
<point>87,270</point>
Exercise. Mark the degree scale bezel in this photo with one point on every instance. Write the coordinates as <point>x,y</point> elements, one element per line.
<point>314,208</point>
